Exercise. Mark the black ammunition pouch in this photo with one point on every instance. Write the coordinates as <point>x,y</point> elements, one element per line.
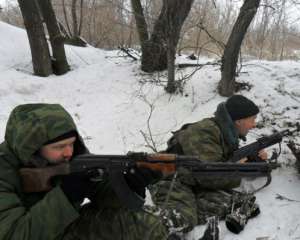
<point>173,144</point>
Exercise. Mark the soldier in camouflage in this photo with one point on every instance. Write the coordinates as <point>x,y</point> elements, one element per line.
<point>190,200</point>
<point>38,135</point>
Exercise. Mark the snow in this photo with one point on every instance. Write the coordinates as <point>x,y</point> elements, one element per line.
<point>111,101</point>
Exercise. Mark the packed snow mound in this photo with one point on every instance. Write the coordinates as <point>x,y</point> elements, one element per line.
<point>118,109</point>
<point>14,46</point>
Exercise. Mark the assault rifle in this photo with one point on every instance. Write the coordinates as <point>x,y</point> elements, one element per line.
<point>251,150</point>
<point>114,166</point>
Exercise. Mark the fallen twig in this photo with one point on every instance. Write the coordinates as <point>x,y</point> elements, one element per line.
<point>185,65</point>
<point>281,197</point>
<point>128,53</point>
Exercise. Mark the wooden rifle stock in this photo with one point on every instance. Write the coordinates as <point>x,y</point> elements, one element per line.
<point>39,179</point>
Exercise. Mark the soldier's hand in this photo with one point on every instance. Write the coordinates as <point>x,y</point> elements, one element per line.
<point>139,178</point>
<point>77,187</point>
<point>243,160</point>
<point>263,155</point>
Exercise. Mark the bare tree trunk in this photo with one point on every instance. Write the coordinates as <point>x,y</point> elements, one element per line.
<point>174,22</point>
<point>90,22</point>
<point>154,51</point>
<point>263,29</point>
<point>202,20</point>
<point>59,61</point>
<point>76,22</point>
<point>283,35</point>
<point>226,85</point>
<point>74,18</point>
<point>131,32</point>
<point>122,20</point>
<point>80,18</point>
<point>171,85</point>
<point>168,24</point>
<point>41,60</point>
<point>140,21</point>
<point>66,17</point>
<point>283,30</point>
<point>276,36</point>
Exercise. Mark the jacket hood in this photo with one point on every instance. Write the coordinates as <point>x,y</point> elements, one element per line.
<point>31,125</point>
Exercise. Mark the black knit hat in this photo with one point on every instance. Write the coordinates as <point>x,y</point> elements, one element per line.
<point>240,107</point>
<point>69,134</point>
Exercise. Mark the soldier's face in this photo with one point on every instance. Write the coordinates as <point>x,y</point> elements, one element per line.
<point>244,125</point>
<point>58,152</point>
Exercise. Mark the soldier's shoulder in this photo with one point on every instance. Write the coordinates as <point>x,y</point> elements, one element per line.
<point>205,124</point>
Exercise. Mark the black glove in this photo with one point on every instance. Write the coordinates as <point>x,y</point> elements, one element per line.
<point>77,187</point>
<point>139,178</point>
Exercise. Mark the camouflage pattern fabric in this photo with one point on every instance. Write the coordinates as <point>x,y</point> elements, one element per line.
<point>49,215</point>
<point>213,203</point>
<point>38,215</point>
<point>116,224</point>
<point>193,197</point>
<point>31,125</point>
<point>178,204</point>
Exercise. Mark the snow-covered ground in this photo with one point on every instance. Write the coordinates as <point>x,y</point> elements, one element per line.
<point>117,108</point>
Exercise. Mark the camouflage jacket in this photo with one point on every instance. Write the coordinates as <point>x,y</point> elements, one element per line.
<point>33,216</point>
<point>212,140</point>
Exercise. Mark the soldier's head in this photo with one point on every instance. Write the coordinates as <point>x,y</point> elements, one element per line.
<point>59,149</point>
<point>243,113</point>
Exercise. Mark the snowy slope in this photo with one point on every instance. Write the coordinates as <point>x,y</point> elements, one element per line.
<point>111,101</point>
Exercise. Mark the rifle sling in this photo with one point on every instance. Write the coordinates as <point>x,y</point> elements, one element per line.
<point>127,197</point>
<point>269,179</point>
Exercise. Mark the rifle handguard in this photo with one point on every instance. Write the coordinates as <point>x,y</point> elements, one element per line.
<point>164,163</point>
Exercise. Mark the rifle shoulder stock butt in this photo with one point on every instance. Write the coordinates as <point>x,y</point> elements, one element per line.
<point>39,179</point>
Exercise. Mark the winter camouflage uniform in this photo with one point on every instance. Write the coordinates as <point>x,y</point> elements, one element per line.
<point>49,215</point>
<point>193,197</point>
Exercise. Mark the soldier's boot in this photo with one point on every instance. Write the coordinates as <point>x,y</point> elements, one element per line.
<point>174,236</point>
<point>238,218</point>
<point>212,229</point>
